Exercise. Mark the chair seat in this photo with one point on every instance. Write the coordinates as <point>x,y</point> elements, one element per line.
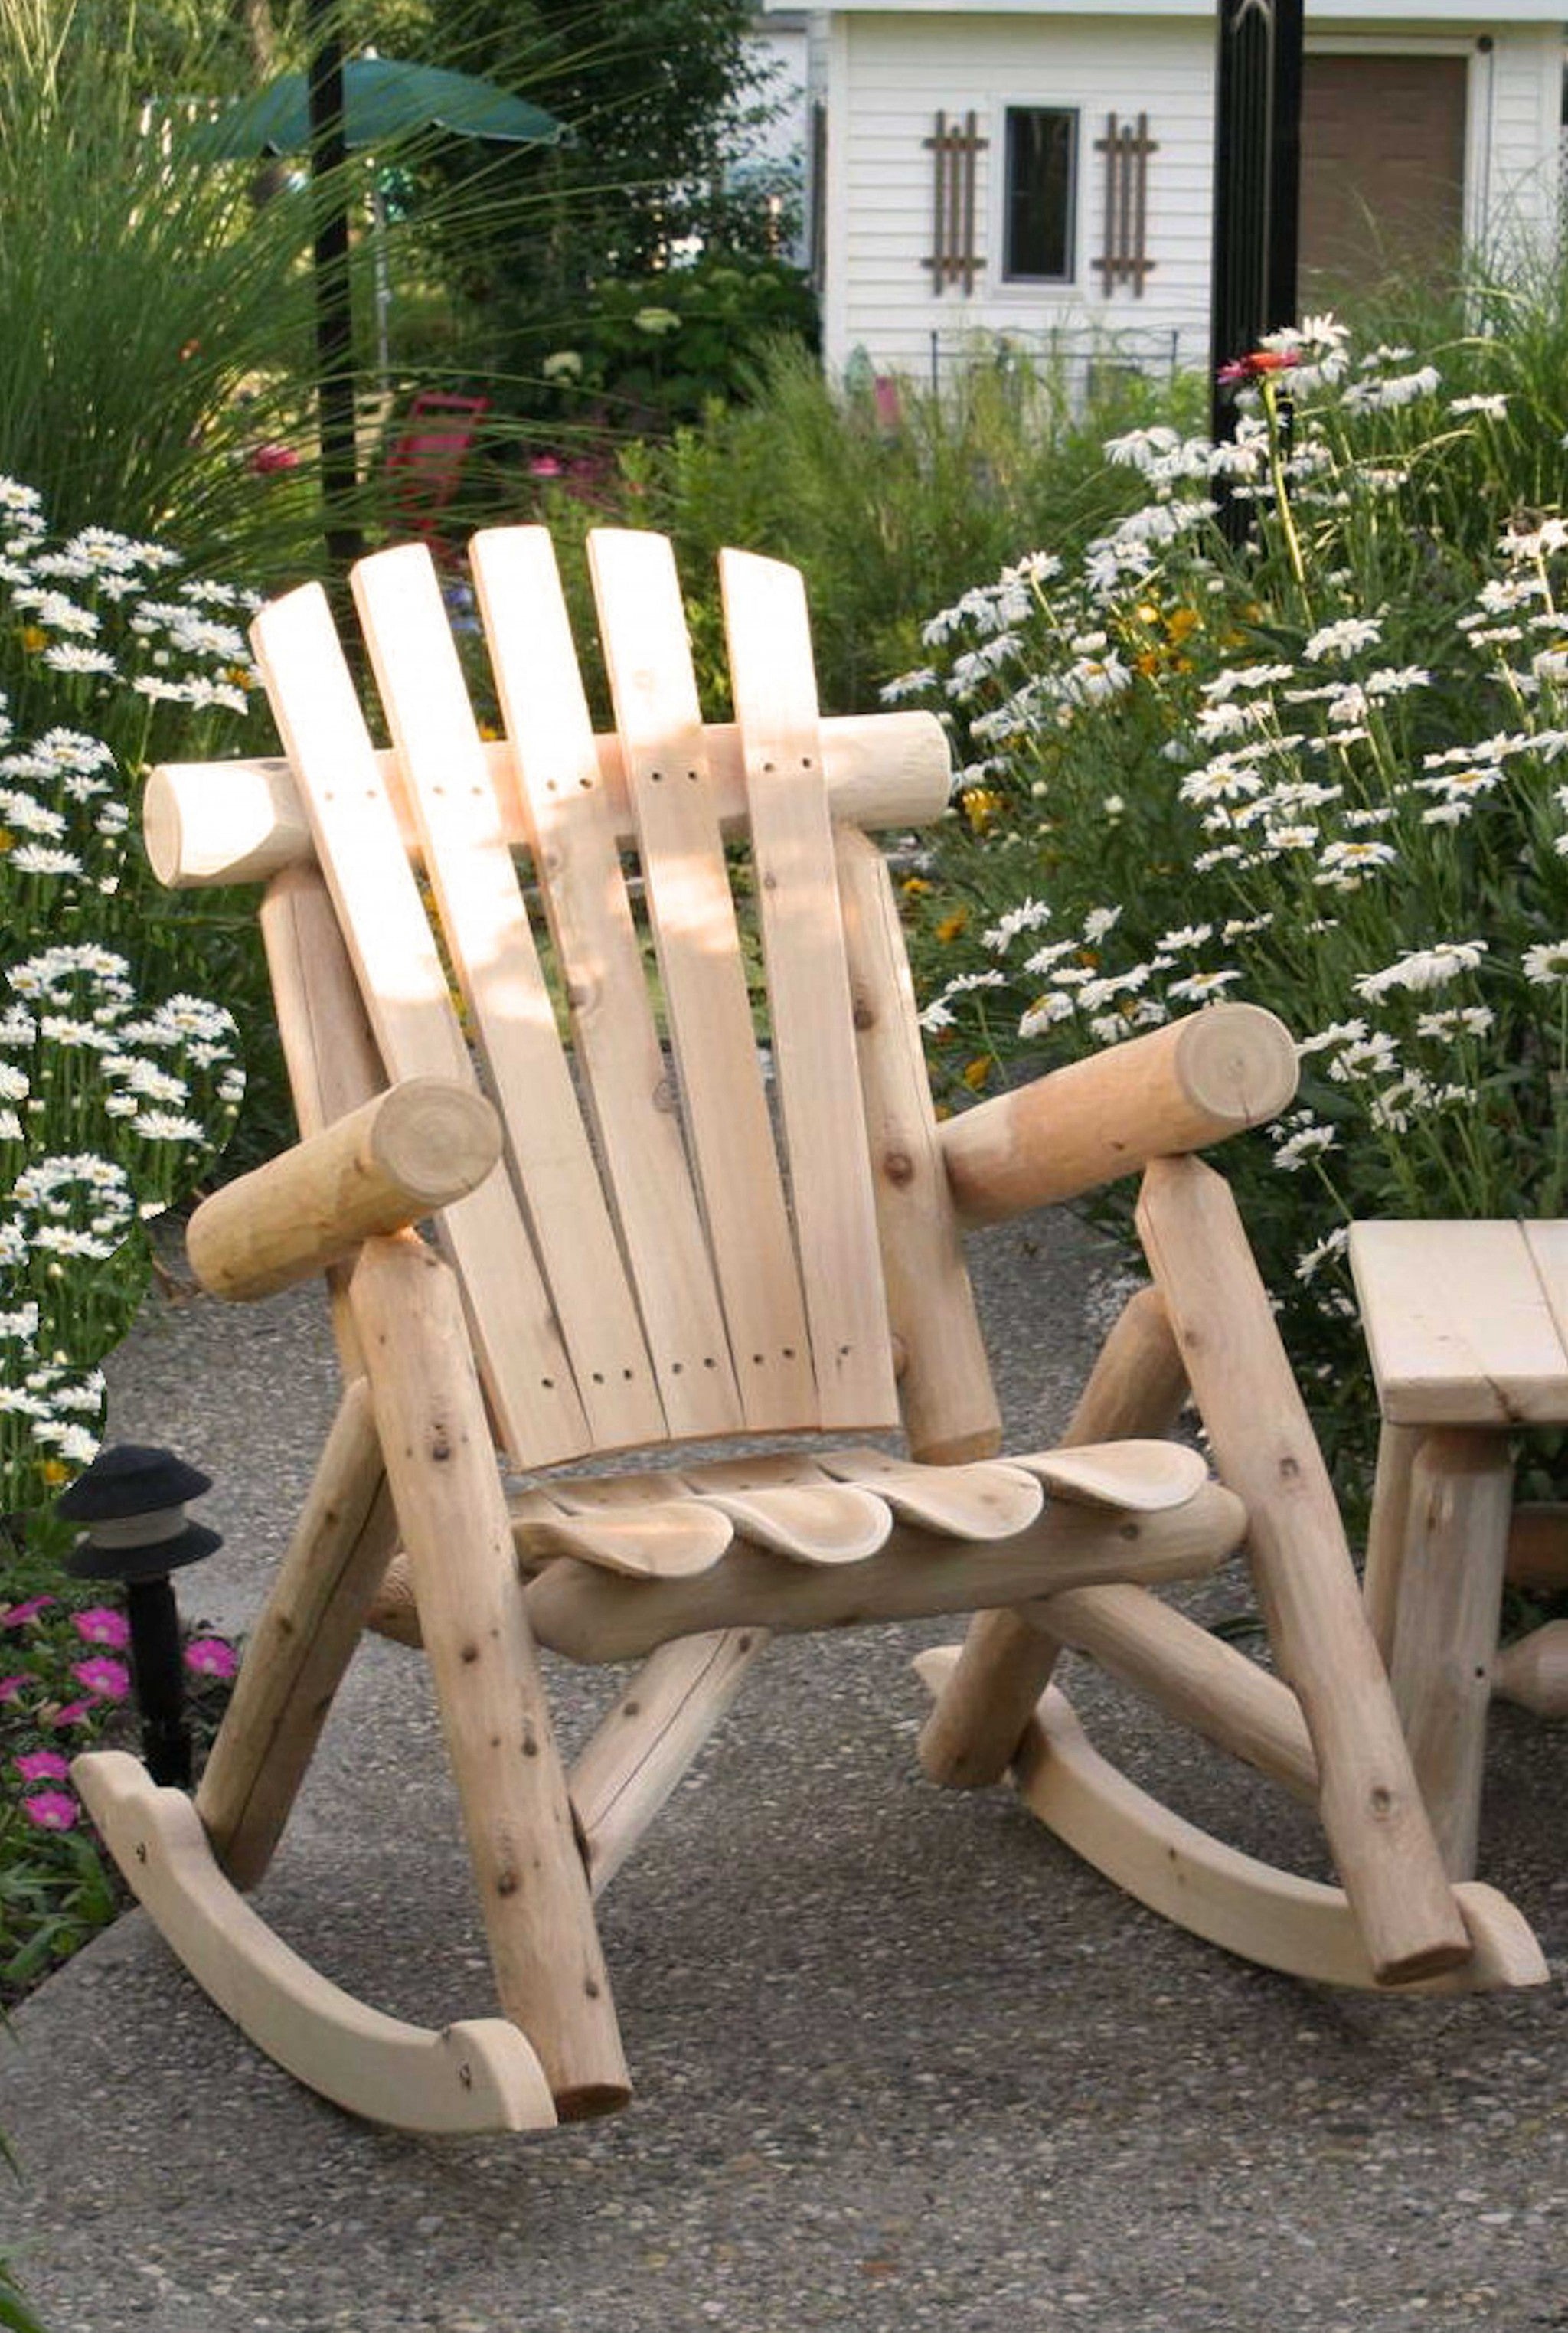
<point>835,1506</point>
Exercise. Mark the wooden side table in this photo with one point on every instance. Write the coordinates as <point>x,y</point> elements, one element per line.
<point>1466,1326</point>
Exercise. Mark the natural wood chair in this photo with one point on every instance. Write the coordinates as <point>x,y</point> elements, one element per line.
<point>646,1271</point>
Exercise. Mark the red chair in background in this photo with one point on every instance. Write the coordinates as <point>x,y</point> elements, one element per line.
<point>425,465</point>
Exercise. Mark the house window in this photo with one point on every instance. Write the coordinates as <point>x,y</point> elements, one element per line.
<point>1041,188</point>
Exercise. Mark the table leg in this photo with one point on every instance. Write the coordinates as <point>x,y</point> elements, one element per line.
<point>1396,1448</point>
<point>1444,1623</point>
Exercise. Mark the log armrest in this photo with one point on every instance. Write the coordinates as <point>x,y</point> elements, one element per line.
<point>419,1146</point>
<point>1177,1088</point>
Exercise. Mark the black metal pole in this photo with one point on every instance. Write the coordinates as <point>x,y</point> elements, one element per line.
<point>1256,183</point>
<point>333,293</point>
<point>155,1661</point>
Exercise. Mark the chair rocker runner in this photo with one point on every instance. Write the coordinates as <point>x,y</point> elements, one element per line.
<point>648,1271</point>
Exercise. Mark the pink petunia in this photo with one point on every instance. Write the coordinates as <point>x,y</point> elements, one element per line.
<point>51,1810</point>
<point>110,1680</point>
<point>16,1616</point>
<point>102,1625</point>
<point>211,1656</point>
<point>12,1686</point>
<point>72,1713</point>
<point>42,1766</point>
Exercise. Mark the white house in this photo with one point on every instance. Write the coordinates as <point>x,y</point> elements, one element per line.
<point>1041,169</point>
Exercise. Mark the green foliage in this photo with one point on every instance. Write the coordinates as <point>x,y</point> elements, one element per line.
<point>1321,773</point>
<point>648,352</point>
<point>884,496</point>
<point>156,330</point>
<point>119,1077</point>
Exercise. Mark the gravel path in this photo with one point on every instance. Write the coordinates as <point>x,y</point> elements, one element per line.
<point>901,2062</point>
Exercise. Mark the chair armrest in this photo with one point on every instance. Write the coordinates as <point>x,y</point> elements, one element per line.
<point>419,1146</point>
<point>1177,1088</point>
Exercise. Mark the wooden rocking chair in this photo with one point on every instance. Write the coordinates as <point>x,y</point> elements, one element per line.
<point>642,1272</point>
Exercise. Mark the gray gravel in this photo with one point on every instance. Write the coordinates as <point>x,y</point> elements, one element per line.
<point>901,2059</point>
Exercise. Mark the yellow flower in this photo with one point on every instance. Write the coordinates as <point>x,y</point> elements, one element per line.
<point>1147,663</point>
<point>976,1072</point>
<point>915,886</point>
<point>54,1472</point>
<point>8,840</point>
<point>1180,622</point>
<point>34,638</point>
<point>489,732</point>
<point>1147,612</point>
<point>982,807</point>
<point>951,925</point>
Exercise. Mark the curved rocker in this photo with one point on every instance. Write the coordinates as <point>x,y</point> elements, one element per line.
<point>1251,1908</point>
<point>480,2075</point>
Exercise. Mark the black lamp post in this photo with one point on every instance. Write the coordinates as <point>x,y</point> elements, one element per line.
<point>132,1501</point>
<point>1256,192</point>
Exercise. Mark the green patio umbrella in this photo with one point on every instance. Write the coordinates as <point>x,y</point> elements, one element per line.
<point>384,101</point>
<point>344,106</point>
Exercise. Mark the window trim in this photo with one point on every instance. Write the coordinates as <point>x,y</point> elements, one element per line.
<point>1006,275</point>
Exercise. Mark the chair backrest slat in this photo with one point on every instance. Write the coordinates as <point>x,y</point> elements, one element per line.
<point>697,937</point>
<point>774,681</point>
<point>491,948</point>
<point>571,832</point>
<point>523,1362</point>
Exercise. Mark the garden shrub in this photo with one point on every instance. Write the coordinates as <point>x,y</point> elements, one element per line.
<point>1323,772</point>
<point>120,1077</point>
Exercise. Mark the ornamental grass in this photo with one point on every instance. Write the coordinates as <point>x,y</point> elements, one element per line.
<point>1324,771</point>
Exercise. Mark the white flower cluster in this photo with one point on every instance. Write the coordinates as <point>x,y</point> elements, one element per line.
<point>1342,802</point>
<point>111,1089</point>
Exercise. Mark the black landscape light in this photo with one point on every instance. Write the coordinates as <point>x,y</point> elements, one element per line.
<point>132,1501</point>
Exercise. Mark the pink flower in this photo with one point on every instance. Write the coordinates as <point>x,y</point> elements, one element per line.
<point>102,1626</point>
<point>51,1810</point>
<point>16,1616</point>
<point>10,1687</point>
<point>42,1766</point>
<point>211,1656</point>
<point>264,459</point>
<point>111,1680</point>
<point>71,1713</point>
<point>546,466</point>
<point>1255,366</point>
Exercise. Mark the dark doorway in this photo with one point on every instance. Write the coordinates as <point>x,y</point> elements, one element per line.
<point>1382,180</point>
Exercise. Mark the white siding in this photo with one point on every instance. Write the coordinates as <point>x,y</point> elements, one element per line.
<point>898,72</point>
<point>889,74</point>
<point>1518,103</point>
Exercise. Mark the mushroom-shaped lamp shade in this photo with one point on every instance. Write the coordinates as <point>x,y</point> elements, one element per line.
<point>132,1501</point>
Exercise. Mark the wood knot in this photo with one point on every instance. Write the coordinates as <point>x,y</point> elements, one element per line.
<point>899,1167</point>
<point>441,1447</point>
<point>664,1096</point>
<point>506,1883</point>
<point>865,1016</point>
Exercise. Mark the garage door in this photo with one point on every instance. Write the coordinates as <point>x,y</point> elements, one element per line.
<point>1382,166</point>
